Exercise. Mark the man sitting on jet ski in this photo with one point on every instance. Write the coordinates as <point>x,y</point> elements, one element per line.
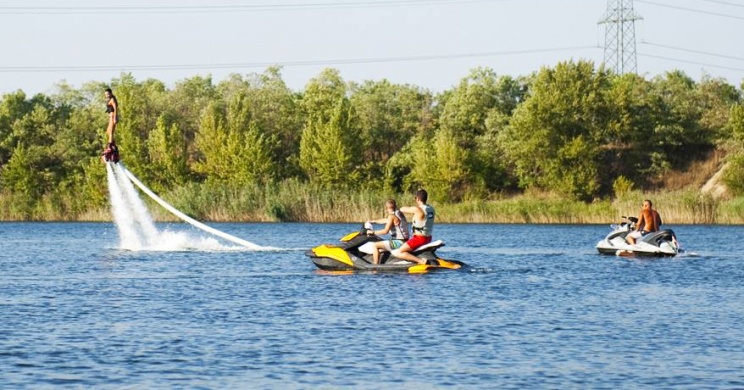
<point>396,224</point>
<point>423,225</point>
<point>648,221</point>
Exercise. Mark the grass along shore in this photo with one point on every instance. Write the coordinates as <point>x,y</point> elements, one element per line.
<point>298,202</point>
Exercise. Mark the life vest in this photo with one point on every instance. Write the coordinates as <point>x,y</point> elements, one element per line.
<point>400,230</point>
<point>425,226</point>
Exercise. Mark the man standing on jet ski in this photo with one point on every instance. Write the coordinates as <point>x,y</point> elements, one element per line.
<point>648,221</point>
<point>423,224</point>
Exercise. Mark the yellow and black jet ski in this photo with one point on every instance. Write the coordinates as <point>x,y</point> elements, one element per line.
<point>354,253</point>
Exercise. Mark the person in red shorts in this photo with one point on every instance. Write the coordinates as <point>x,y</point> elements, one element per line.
<point>423,225</point>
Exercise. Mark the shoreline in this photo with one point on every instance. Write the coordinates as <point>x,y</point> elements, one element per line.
<point>677,208</point>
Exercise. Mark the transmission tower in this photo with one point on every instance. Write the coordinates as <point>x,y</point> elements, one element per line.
<point>620,44</point>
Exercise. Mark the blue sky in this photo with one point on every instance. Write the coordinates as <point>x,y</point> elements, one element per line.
<point>429,43</point>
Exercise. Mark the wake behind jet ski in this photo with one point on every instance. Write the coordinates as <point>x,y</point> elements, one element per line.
<point>354,253</point>
<point>662,243</point>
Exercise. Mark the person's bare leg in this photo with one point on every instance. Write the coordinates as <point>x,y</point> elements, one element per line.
<point>376,254</point>
<point>404,253</point>
<point>380,247</point>
<point>110,132</point>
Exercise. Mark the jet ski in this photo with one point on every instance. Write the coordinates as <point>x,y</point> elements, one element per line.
<point>354,253</point>
<point>662,243</point>
<point>111,153</point>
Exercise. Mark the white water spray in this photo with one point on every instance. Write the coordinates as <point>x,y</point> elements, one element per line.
<point>137,230</point>
<point>141,215</point>
<point>128,233</point>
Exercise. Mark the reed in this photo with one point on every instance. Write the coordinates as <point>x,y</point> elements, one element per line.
<point>527,209</point>
<point>296,201</point>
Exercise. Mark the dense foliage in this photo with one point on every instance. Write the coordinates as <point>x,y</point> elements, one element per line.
<point>575,130</point>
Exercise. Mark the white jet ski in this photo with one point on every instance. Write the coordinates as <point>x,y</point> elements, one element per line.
<point>662,243</point>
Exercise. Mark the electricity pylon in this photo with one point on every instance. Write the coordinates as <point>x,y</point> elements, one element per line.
<point>620,44</point>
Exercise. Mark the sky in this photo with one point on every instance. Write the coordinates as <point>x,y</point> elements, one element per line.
<point>432,44</point>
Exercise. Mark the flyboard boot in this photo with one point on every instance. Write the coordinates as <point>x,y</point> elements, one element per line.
<point>111,153</point>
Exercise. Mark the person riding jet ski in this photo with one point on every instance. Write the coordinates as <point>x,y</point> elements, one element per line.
<point>649,221</point>
<point>395,224</point>
<point>423,226</point>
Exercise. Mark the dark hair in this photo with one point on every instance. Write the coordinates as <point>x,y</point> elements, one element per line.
<point>650,204</point>
<point>391,202</point>
<point>109,91</point>
<point>422,195</point>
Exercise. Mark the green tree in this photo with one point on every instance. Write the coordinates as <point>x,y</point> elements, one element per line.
<point>168,150</point>
<point>13,107</point>
<point>329,153</point>
<point>76,145</point>
<point>275,110</point>
<point>33,168</point>
<point>441,166</point>
<point>554,138</point>
<point>387,116</point>
<point>185,105</point>
<point>467,108</point>
<point>233,149</point>
<point>632,118</point>
<point>474,113</point>
<point>734,174</point>
<point>677,137</point>
<point>716,98</point>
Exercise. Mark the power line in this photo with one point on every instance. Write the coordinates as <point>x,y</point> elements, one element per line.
<point>691,10</point>
<point>725,3</point>
<point>694,51</point>
<point>41,69</point>
<point>229,8</point>
<point>691,62</point>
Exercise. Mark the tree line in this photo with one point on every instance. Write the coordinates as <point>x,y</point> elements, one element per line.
<point>575,129</point>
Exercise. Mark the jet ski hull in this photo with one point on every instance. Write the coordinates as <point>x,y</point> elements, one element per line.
<point>354,254</point>
<point>657,244</point>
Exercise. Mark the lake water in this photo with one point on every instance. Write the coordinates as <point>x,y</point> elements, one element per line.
<point>539,309</point>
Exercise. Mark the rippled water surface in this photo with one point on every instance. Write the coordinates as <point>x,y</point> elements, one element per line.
<point>539,309</point>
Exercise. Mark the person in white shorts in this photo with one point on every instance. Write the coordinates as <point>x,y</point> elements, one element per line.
<point>396,224</point>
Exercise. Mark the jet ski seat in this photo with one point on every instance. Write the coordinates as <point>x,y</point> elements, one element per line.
<point>433,244</point>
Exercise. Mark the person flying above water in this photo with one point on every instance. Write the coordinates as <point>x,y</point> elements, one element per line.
<point>112,109</point>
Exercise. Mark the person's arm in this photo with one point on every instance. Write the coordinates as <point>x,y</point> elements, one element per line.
<point>388,225</point>
<point>378,221</point>
<point>410,209</point>
<point>641,222</point>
